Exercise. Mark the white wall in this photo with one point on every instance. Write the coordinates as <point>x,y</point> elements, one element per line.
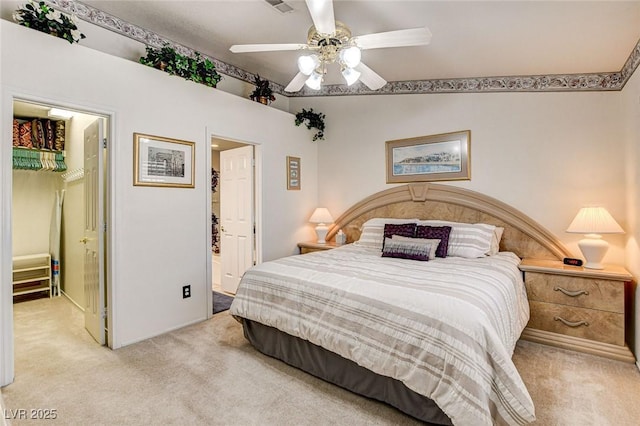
<point>104,40</point>
<point>159,234</point>
<point>114,44</point>
<point>631,108</point>
<point>546,154</point>
<point>34,194</point>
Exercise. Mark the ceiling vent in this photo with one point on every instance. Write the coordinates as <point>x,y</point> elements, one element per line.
<point>280,6</point>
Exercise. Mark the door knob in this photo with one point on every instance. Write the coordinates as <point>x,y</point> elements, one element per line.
<point>84,240</point>
<point>222,228</point>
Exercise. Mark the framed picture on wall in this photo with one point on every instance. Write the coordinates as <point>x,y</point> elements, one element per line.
<point>159,161</point>
<point>293,173</point>
<point>429,158</point>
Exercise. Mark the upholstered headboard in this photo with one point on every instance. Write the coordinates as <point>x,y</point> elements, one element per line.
<point>522,235</point>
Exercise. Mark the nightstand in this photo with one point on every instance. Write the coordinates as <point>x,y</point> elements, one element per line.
<point>311,246</point>
<point>581,309</point>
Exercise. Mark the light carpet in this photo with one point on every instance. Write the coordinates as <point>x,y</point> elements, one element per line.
<point>207,373</point>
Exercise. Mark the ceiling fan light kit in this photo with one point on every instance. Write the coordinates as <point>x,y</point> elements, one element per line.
<point>330,48</point>
<point>308,63</point>
<point>350,75</point>
<point>314,81</point>
<point>350,56</point>
<point>330,41</point>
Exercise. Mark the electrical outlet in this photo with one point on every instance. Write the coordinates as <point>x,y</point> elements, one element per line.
<point>186,291</point>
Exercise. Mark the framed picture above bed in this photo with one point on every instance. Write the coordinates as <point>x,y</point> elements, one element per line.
<point>429,158</point>
<point>159,161</point>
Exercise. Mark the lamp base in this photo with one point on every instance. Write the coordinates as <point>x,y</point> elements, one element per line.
<point>593,249</point>
<point>321,232</point>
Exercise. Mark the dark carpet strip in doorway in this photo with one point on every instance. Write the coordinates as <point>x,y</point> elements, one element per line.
<point>221,302</point>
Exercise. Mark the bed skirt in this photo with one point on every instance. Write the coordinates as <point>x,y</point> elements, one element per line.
<point>340,371</point>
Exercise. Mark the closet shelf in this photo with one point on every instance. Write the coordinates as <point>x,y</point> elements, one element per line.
<point>32,274</point>
<point>72,175</point>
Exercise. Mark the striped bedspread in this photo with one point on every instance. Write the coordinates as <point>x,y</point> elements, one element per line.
<point>446,328</point>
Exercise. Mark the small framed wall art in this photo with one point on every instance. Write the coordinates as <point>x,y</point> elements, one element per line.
<point>293,173</point>
<point>429,158</point>
<point>159,161</point>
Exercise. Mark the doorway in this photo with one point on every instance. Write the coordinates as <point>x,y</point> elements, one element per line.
<point>58,209</point>
<point>233,229</point>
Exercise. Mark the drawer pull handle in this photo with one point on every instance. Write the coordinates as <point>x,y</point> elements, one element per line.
<point>571,323</point>
<point>571,293</point>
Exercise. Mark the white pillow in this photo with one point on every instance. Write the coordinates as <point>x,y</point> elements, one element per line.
<point>373,231</point>
<point>433,243</point>
<point>468,240</point>
<point>495,242</point>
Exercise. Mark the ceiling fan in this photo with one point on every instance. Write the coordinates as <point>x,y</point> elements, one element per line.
<point>331,41</point>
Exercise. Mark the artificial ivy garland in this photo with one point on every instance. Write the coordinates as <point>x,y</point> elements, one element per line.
<point>313,119</point>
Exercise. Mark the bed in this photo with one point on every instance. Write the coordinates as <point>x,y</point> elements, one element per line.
<point>432,338</point>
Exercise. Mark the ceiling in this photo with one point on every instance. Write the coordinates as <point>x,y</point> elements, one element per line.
<point>470,39</point>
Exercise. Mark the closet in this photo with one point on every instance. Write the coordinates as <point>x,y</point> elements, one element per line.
<point>48,202</point>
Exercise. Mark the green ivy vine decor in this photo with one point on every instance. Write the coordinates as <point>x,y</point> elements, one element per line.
<point>312,120</point>
<point>194,68</point>
<point>43,18</point>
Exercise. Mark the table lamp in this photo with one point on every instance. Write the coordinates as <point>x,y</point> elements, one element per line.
<point>322,217</point>
<point>593,221</point>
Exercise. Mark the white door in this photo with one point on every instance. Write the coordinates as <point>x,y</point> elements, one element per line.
<point>93,232</point>
<point>236,215</point>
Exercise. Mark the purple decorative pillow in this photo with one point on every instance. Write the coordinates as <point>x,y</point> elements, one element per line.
<point>403,229</point>
<point>436,232</point>
<point>406,249</point>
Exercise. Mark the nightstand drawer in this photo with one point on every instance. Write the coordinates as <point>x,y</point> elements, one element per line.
<point>603,295</point>
<point>602,326</point>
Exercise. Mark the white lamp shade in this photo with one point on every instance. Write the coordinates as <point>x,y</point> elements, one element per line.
<point>351,56</point>
<point>350,75</point>
<point>314,81</point>
<point>594,220</point>
<point>308,63</point>
<point>321,215</point>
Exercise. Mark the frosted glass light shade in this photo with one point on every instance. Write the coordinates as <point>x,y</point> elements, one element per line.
<point>308,63</point>
<point>60,113</point>
<point>350,56</point>
<point>593,221</point>
<point>314,81</point>
<point>321,216</point>
<point>350,75</point>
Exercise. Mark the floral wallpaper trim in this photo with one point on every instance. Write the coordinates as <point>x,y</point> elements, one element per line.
<point>607,81</point>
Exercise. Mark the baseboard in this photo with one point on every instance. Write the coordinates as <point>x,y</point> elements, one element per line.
<point>606,350</point>
<point>160,333</point>
<point>71,300</point>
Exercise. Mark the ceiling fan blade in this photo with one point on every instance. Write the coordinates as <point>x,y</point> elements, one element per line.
<point>369,77</point>
<point>399,38</point>
<point>297,83</point>
<point>245,48</point>
<point>322,15</point>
